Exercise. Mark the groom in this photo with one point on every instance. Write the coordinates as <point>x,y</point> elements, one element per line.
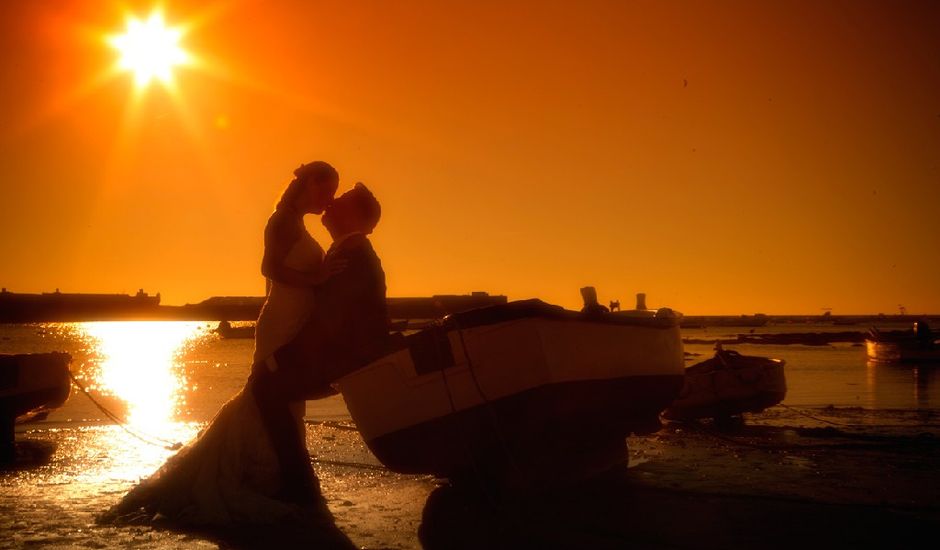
<point>347,328</point>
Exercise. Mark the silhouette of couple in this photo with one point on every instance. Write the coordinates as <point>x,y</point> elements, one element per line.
<point>324,316</point>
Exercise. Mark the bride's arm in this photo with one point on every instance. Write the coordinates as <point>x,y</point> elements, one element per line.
<point>279,238</point>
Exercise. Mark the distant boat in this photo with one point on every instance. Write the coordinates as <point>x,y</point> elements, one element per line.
<point>903,346</point>
<point>515,385</point>
<point>226,330</point>
<point>29,383</point>
<point>729,384</point>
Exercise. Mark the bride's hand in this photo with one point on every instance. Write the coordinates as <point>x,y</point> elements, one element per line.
<point>331,266</point>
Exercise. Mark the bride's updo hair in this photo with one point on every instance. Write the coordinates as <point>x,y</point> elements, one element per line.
<point>317,173</point>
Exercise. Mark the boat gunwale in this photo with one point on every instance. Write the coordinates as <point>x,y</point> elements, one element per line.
<point>404,345</point>
<point>535,308</point>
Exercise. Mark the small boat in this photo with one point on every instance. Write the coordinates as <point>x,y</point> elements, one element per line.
<point>511,386</point>
<point>729,384</point>
<point>29,383</point>
<point>918,345</point>
<point>226,330</point>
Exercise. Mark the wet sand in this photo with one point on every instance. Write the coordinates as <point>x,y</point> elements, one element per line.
<point>848,478</point>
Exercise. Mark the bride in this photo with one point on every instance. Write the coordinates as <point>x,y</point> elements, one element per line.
<point>229,474</point>
<point>293,261</point>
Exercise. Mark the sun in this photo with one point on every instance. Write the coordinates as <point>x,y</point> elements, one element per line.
<point>150,49</point>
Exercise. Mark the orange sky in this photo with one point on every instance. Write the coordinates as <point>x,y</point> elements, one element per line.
<point>723,157</point>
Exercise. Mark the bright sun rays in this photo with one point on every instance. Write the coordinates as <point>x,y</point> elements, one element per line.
<point>150,49</point>
<point>147,77</point>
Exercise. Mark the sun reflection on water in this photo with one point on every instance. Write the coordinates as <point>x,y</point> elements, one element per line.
<point>139,362</point>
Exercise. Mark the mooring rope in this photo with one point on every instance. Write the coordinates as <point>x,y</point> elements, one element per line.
<point>816,418</point>
<point>854,425</point>
<point>146,438</point>
<point>359,465</point>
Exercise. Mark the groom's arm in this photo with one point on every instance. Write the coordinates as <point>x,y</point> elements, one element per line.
<point>326,320</point>
<point>359,312</point>
<point>366,331</point>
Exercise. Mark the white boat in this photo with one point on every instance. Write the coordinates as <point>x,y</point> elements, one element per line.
<point>918,345</point>
<point>901,352</point>
<point>729,384</point>
<point>28,383</point>
<point>514,385</point>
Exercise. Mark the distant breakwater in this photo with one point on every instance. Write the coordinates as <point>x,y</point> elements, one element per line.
<point>791,338</point>
<point>61,307</point>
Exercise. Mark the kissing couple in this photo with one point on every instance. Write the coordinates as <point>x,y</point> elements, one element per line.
<point>324,316</point>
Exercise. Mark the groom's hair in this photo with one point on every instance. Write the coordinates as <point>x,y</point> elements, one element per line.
<point>369,208</point>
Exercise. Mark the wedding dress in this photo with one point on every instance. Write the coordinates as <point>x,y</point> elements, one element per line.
<point>287,307</point>
<point>229,475</point>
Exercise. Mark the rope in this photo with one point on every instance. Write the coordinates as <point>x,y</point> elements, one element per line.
<point>816,418</point>
<point>360,465</point>
<point>331,424</point>
<point>453,408</point>
<point>693,425</point>
<point>703,430</point>
<point>491,499</point>
<point>735,441</point>
<point>172,446</point>
<point>149,439</point>
<point>851,425</point>
<point>489,406</point>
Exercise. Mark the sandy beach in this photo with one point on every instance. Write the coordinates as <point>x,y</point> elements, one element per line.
<point>847,477</point>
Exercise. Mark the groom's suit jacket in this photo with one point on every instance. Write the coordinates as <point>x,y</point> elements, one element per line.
<point>348,325</point>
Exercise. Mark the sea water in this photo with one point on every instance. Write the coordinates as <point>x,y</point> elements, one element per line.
<point>151,373</point>
<point>166,380</point>
<point>837,375</point>
<point>159,373</point>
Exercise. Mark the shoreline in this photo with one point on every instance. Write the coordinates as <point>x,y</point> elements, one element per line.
<point>781,479</point>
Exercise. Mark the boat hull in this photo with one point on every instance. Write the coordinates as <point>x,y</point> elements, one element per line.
<point>28,383</point>
<point>729,385</point>
<point>32,381</point>
<point>902,352</point>
<point>513,392</point>
<point>541,429</point>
